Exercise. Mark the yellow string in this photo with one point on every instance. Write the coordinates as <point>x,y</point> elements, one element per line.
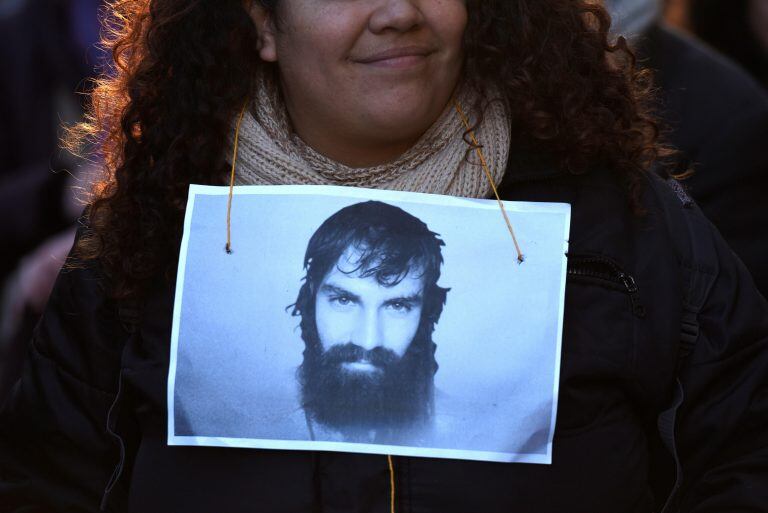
<point>228,246</point>
<point>479,151</point>
<point>488,174</point>
<point>391,484</point>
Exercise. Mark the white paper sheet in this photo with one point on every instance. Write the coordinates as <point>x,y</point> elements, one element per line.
<point>236,348</point>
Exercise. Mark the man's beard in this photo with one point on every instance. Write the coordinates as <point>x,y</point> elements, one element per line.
<point>397,395</point>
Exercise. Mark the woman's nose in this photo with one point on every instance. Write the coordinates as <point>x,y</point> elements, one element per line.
<point>396,15</point>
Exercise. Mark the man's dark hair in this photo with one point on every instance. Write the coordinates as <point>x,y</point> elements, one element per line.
<point>389,245</point>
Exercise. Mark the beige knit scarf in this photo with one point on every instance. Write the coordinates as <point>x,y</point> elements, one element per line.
<point>270,153</point>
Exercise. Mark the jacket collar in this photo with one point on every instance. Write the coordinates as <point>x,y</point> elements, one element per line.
<point>528,166</point>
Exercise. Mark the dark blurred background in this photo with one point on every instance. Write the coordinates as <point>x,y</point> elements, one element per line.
<point>736,28</point>
<point>710,59</point>
<point>48,53</point>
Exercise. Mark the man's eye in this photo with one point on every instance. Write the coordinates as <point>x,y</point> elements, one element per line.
<point>342,300</point>
<point>401,306</point>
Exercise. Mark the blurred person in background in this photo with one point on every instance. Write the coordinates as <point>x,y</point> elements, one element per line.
<point>676,14</point>
<point>46,51</point>
<point>737,28</point>
<point>717,116</point>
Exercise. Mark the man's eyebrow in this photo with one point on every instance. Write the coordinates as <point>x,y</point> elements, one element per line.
<point>413,298</point>
<point>336,290</point>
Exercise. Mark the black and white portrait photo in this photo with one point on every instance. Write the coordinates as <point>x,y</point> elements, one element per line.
<point>368,321</point>
<point>368,306</point>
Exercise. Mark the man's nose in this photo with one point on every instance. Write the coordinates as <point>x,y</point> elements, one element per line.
<point>396,15</point>
<point>368,330</point>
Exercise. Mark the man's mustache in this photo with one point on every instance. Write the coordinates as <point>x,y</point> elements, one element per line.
<point>379,356</point>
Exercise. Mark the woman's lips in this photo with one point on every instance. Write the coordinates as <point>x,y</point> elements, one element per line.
<point>397,57</point>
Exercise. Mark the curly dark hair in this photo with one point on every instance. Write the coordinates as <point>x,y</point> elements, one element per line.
<point>183,69</point>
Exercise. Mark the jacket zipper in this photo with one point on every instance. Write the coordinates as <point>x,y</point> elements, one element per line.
<point>606,270</point>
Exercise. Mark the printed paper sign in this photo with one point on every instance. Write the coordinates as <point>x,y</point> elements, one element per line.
<point>368,321</point>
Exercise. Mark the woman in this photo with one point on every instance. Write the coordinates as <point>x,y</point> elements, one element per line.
<point>361,92</point>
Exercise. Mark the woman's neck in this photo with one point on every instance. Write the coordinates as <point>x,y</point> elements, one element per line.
<point>355,153</point>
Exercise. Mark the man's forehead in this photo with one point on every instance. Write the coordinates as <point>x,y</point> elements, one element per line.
<point>348,274</point>
<point>338,281</point>
<point>351,262</point>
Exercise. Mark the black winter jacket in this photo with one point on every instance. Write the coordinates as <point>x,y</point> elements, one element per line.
<point>86,425</point>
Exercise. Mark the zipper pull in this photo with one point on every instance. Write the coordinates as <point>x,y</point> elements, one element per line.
<point>629,283</point>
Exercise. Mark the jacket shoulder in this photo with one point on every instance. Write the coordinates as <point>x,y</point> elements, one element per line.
<point>722,433</point>
<point>80,329</point>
